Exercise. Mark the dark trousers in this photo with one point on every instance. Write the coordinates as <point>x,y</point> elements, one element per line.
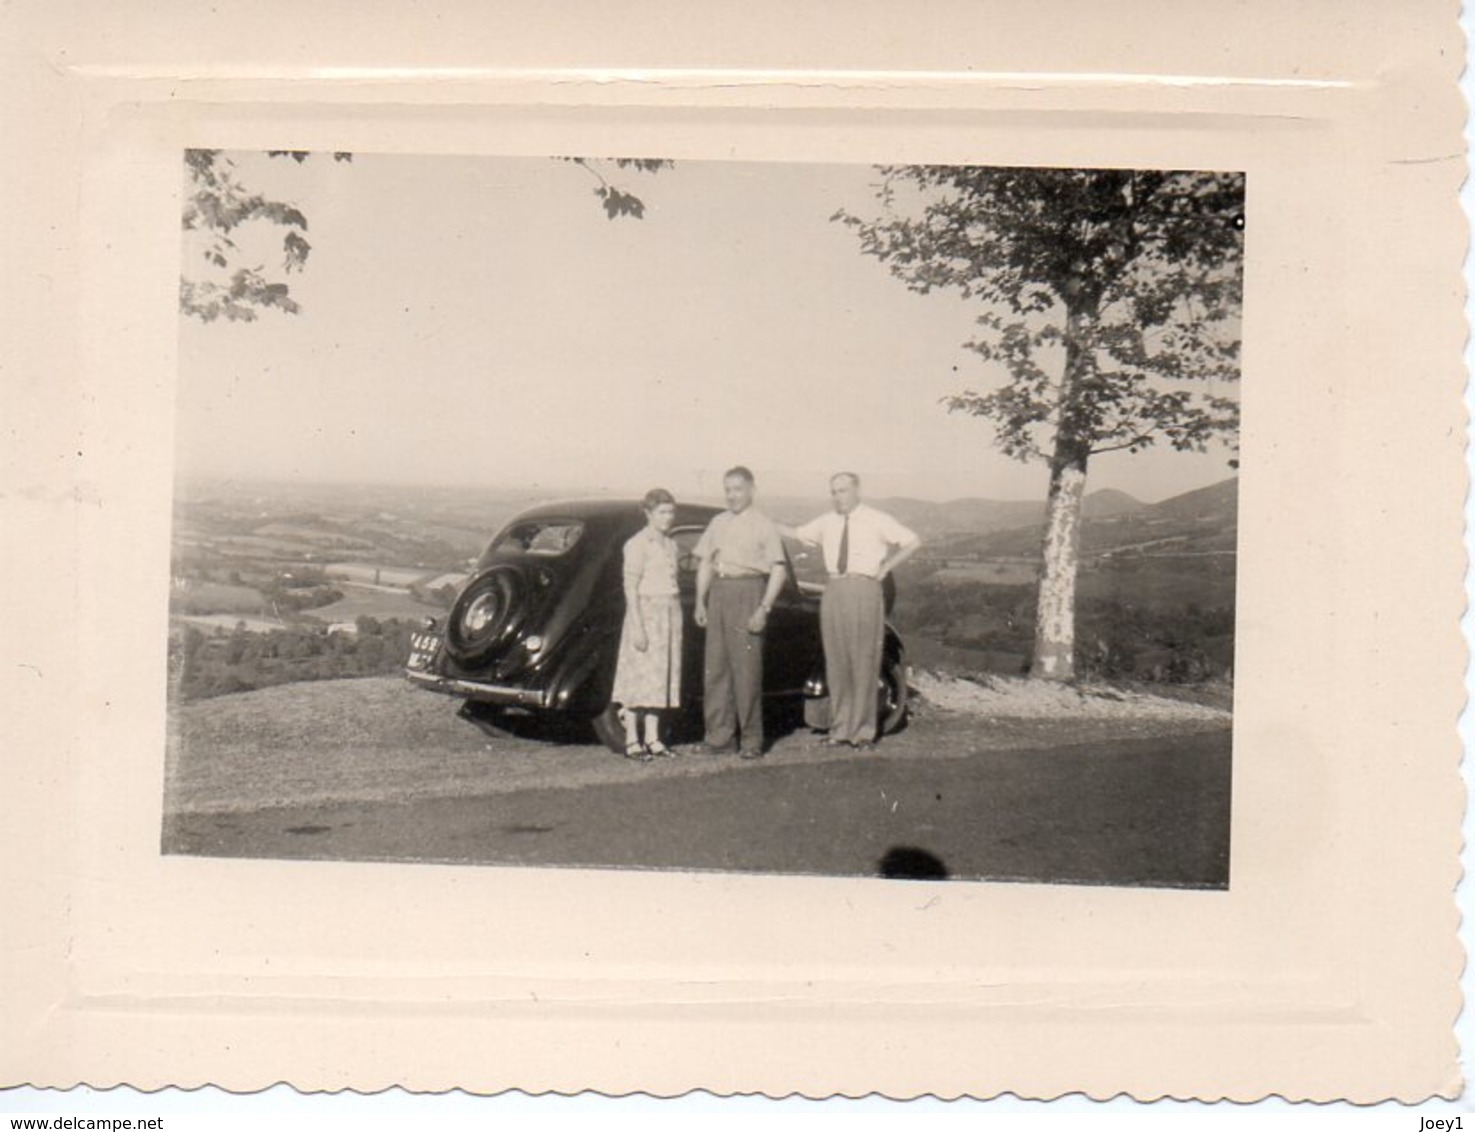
<point>733,703</point>
<point>852,622</point>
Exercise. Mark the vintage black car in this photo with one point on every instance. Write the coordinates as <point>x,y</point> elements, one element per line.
<point>535,630</point>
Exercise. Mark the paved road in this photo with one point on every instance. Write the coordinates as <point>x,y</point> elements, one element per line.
<point>1118,810</point>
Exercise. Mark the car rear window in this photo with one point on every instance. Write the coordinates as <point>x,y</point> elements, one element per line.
<point>546,538</point>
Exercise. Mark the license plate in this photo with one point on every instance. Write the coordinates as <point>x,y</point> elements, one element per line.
<point>423,649</point>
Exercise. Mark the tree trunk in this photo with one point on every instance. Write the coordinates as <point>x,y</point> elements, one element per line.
<point>1055,618</point>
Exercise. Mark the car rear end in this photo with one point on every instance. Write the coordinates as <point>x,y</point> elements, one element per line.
<point>528,630</point>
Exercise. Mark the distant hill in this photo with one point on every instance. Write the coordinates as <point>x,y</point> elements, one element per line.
<point>1202,521</point>
<point>1109,501</point>
<point>932,519</point>
<point>1217,503</point>
<point>966,517</point>
<point>440,527</point>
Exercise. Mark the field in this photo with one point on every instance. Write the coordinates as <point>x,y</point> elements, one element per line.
<point>379,602</point>
<point>230,622</point>
<point>1168,619</point>
<point>197,596</point>
<point>989,573</point>
<point>372,574</point>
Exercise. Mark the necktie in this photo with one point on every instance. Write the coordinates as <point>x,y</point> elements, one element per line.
<point>843,563</point>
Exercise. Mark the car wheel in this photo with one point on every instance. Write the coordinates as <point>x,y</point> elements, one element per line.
<point>610,728</point>
<point>892,701</point>
<point>485,614</point>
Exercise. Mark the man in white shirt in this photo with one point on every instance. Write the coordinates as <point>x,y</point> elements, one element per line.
<point>861,546</point>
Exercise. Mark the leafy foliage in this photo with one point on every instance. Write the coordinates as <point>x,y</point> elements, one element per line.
<point>203,665</point>
<point>216,206</point>
<point>617,201</point>
<point>1105,294</point>
<point>301,155</point>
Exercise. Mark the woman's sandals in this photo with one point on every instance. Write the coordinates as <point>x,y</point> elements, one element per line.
<point>636,752</point>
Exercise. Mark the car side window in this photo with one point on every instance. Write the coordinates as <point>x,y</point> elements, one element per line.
<point>686,545</point>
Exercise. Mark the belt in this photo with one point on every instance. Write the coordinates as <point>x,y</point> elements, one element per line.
<point>852,574</point>
<point>741,577</point>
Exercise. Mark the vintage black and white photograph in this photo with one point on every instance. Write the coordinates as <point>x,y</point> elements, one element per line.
<point>613,512</point>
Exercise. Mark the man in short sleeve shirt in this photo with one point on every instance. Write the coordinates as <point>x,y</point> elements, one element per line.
<point>741,572</point>
<point>861,546</point>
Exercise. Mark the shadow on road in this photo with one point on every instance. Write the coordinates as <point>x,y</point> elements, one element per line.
<point>907,862</point>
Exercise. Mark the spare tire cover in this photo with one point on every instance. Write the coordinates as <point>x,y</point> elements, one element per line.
<point>486,614</point>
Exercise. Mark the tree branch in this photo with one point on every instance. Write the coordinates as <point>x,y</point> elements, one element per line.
<point>583,163</point>
<point>1137,441</point>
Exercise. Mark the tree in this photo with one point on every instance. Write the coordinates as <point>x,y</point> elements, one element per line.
<point>218,205</point>
<point>1110,302</point>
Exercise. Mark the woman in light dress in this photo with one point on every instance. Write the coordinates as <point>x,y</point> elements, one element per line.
<point>648,672</point>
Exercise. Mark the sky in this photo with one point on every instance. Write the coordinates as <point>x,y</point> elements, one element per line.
<point>480,322</point>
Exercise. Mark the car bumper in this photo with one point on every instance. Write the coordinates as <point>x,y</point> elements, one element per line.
<point>424,671</point>
<point>506,695</point>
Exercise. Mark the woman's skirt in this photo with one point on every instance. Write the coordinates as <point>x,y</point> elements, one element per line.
<point>652,679</point>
